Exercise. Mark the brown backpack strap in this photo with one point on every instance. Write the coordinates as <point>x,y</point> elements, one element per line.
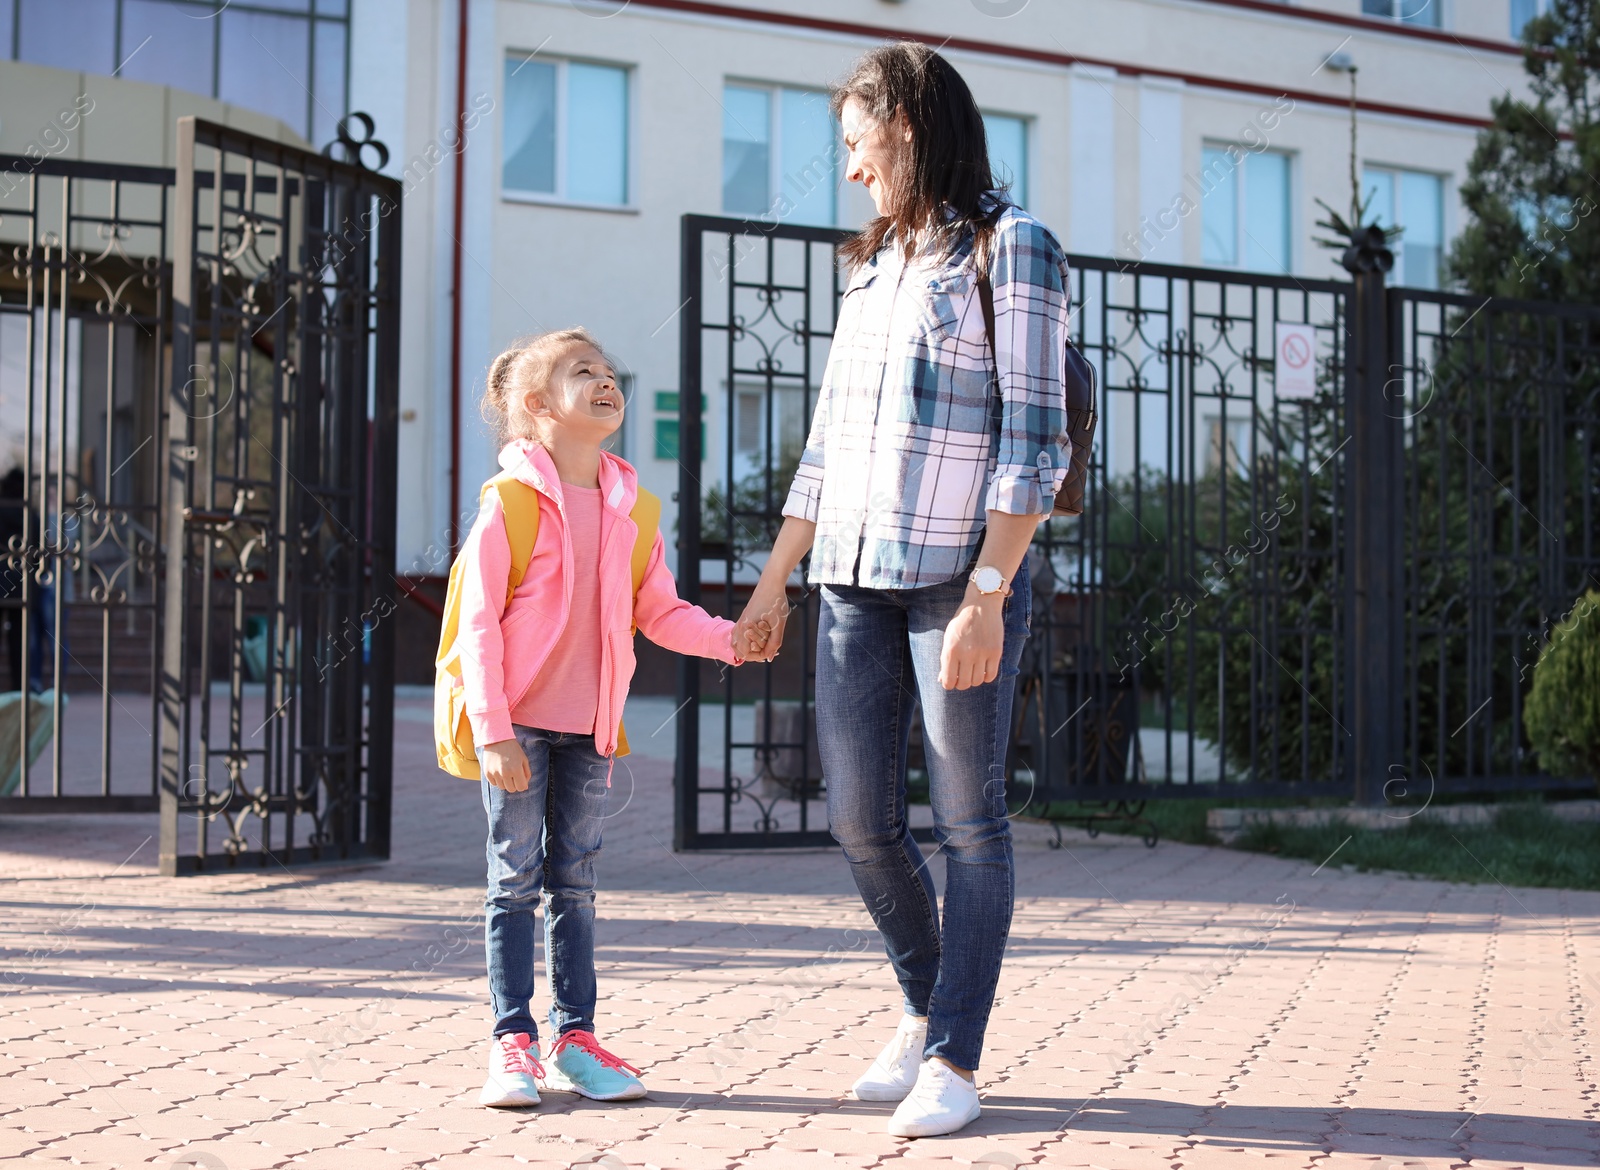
<point>986,303</point>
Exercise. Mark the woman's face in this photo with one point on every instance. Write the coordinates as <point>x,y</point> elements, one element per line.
<point>583,398</point>
<point>870,161</point>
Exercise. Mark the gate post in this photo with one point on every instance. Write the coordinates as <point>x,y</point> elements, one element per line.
<point>176,468</point>
<point>686,772</point>
<point>1375,496</point>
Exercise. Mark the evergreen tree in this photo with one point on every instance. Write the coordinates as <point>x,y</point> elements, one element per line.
<point>1533,185</point>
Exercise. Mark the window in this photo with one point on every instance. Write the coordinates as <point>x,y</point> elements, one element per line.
<point>1008,153</point>
<point>291,63</point>
<point>566,130</point>
<point>1228,445</point>
<point>666,427</point>
<point>265,62</point>
<point>1423,12</point>
<point>617,444</point>
<point>1245,209</point>
<point>752,402</point>
<point>1522,11</point>
<point>1415,201</point>
<point>780,155</point>
<point>176,47</point>
<point>748,431</point>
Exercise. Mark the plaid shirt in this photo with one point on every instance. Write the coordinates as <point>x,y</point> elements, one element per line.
<point>912,442</point>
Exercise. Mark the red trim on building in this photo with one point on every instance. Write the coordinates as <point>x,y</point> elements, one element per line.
<point>1367,24</point>
<point>996,49</point>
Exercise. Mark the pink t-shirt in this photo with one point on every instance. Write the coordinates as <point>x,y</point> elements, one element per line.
<point>566,692</point>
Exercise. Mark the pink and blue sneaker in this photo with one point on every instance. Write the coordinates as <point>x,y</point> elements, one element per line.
<point>579,1065</point>
<point>514,1071</point>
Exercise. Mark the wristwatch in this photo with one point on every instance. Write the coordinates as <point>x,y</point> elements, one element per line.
<point>987,580</point>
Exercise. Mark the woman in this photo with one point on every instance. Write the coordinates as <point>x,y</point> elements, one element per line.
<point>932,459</point>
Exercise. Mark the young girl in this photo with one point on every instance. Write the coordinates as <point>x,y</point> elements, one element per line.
<point>545,677</point>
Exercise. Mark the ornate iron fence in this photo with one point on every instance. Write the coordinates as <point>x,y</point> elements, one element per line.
<point>1499,401</point>
<point>1259,588</point>
<point>1189,627</point>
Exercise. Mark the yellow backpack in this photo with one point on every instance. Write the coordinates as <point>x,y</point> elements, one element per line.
<point>452,730</point>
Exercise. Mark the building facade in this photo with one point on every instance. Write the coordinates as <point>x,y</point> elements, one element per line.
<point>1184,131</point>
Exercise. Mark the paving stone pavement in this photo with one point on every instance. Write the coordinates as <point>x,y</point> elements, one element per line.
<point>1181,1007</point>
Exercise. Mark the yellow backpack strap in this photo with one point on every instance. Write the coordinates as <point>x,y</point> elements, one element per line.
<point>447,655</point>
<point>647,515</point>
<point>521,505</point>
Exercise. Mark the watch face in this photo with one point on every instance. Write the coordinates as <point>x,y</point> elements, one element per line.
<point>988,579</point>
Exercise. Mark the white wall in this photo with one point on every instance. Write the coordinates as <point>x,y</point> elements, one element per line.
<point>1109,148</point>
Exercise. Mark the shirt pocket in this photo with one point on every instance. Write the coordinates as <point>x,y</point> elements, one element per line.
<point>851,302</point>
<point>946,300</point>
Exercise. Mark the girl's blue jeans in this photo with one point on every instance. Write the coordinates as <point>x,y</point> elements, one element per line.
<point>544,841</point>
<point>878,655</point>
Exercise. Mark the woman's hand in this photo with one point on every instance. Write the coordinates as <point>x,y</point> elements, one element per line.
<point>761,624</point>
<point>505,765</point>
<point>749,641</point>
<point>973,642</point>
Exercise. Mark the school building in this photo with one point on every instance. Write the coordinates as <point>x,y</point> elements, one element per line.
<point>1197,132</point>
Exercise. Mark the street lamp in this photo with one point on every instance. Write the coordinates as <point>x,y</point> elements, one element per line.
<point>1365,247</point>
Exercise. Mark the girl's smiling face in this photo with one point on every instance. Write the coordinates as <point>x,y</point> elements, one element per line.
<point>582,400</point>
<point>871,157</point>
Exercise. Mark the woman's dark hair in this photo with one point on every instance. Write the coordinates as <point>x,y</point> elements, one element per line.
<point>946,163</point>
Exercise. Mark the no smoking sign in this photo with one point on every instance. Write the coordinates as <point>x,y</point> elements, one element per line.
<point>1295,360</point>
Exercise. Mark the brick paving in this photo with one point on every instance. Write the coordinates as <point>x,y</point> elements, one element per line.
<point>1183,1008</point>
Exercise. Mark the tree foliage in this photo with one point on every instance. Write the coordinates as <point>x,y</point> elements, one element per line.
<point>1240,623</point>
<point>1532,190</point>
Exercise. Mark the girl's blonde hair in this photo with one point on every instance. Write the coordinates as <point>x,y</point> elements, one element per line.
<point>526,366</point>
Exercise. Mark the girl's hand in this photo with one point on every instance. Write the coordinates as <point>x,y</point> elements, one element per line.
<point>973,642</point>
<point>505,765</point>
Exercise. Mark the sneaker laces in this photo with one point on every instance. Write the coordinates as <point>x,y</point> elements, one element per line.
<point>904,1038</point>
<point>586,1041</point>
<point>519,1058</point>
<point>930,1089</point>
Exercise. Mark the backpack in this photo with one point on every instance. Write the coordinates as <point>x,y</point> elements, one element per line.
<point>452,730</point>
<point>1078,386</point>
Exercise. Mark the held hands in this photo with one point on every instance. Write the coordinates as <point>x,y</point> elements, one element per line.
<point>750,641</point>
<point>505,765</point>
<point>973,642</point>
<point>758,633</point>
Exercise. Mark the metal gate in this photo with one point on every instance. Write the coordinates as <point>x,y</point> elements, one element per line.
<point>1263,597</point>
<point>84,320</point>
<point>277,702</point>
<point>198,375</point>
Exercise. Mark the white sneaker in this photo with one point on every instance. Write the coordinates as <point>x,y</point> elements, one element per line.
<point>942,1101</point>
<point>513,1067</point>
<point>892,1074</point>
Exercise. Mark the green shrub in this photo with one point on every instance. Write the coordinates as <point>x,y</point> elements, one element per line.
<point>1562,710</point>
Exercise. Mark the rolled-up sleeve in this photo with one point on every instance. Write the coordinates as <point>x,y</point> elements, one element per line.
<point>1031,316</point>
<point>805,493</point>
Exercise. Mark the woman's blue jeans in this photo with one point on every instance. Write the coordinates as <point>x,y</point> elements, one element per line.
<point>544,840</point>
<point>877,655</point>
